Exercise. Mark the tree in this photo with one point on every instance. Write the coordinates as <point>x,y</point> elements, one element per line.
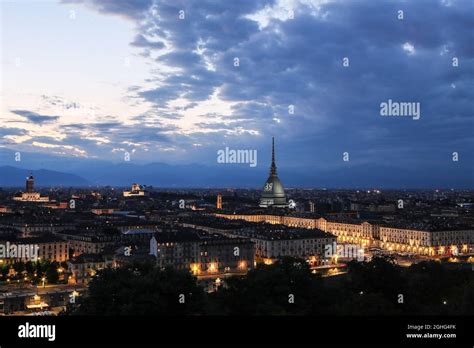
<point>4,270</point>
<point>380,275</point>
<point>438,288</point>
<point>139,289</point>
<point>30,268</point>
<point>286,287</point>
<point>19,266</point>
<point>52,274</point>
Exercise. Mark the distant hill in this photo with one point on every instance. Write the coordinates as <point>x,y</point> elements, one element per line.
<point>51,170</point>
<point>15,177</point>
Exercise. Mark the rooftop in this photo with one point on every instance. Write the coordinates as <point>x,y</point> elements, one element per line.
<point>281,232</point>
<point>85,258</point>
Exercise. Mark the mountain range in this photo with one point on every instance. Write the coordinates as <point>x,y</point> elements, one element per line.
<point>50,170</point>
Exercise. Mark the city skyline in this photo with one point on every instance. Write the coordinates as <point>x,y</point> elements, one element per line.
<point>211,166</point>
<point>162,85</point>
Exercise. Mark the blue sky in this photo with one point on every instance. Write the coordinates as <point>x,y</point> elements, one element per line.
<point>92,79</point>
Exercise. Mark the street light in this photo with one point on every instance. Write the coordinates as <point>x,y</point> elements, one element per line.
<point>218,283</point>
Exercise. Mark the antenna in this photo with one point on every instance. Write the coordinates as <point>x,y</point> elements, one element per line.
<point>273,166</point>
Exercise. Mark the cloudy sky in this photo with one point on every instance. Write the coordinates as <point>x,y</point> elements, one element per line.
<point>158,79</point>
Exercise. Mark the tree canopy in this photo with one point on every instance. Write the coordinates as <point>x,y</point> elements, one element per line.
<point>287,287</point>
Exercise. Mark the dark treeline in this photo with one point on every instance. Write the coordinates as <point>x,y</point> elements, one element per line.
<point>288,287</point>
<point>33,271</point>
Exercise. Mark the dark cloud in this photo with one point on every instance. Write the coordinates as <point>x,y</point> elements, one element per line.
<point>133,9</point>
<point>34,117</point>
<point>141,41</point>
<point>12,131</point>
<point>73,126</point>
<point>105,125</point>
<point>299,62</point>
<point>117,133</point>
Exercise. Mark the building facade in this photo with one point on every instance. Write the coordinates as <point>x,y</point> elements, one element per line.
<point>36,248</point>
<point>413,240</point>
<point>136,191</point>
<point>30,195</point>
<point>204,254</point>
<point>85,266</point>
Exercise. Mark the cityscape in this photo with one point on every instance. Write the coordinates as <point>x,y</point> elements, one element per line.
<point>56,241</point>
<point>214,165</point>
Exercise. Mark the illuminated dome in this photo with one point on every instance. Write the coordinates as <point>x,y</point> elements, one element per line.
<point>273,193</point>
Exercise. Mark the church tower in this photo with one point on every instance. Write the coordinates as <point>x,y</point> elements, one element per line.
<point>30,184</point>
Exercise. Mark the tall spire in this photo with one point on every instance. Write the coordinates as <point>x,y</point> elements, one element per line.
<point>273,168</point>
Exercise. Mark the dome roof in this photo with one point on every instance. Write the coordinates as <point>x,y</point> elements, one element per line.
<point>273,192</point>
